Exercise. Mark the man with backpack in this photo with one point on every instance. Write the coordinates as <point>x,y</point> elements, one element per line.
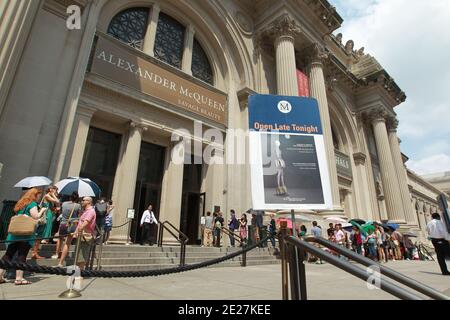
<point>233,224</point>
<point>101,210</point>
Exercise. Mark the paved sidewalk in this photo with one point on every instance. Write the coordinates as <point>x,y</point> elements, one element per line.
<point>231,283</point>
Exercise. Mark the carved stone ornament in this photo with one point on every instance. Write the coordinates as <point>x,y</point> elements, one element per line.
<point>316,53</point>
<point>138,126</point>
<point>283,26</point>
<point>349,46</point>
<point>244,22</point>
<point>392,124</point>
<point>339,38</point>
<point>377,114</point>
<point>359,158</point>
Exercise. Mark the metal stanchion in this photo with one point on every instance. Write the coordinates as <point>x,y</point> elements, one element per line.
<point>284,266</point>
<point>72,293</point>
<point>301,277</point>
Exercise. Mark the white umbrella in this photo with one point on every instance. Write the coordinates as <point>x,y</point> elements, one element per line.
<point>35,181</point>
<point>336,219</point>
<point>83,186</point>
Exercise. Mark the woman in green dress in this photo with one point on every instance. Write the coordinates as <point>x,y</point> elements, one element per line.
<point>49,202</point>
<point>22,244</point>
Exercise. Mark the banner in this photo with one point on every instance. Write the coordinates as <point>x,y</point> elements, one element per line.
<point>287,154</point>
<point>303,84</point>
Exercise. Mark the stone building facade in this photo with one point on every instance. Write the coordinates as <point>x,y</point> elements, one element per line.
<point>103,101</point>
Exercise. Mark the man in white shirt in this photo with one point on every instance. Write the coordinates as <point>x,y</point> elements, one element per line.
<point>439,237</point>
<point>147,220</point>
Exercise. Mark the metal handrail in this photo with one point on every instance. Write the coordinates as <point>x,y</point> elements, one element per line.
<point>413,284</point>
<point>298,274</point>
<point>237,238</point>
<point>181,238</point>
<point>299,291</point>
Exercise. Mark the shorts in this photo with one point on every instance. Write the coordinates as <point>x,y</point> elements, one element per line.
<point>85,248</point>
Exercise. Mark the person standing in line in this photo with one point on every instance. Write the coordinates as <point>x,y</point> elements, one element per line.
<point>218,227</point>
<point>26,205</point>
<point>409,247</point>
<point>69,214</point>
<point>49,201</point>
<point>316,232</point>
<point>209,227</point>
<point>380,243</point>
<point>101,211</point>
<point>243,229</point>
<point>86,230</point>
<point>272,228</point>
<point>303,231</point>
<point>147,220</point>
<point>330,230</point>
<point>232,225</point>
<point>108,221</point>
<point>397,240</point>
<point>439,236</point>
<point>372,244</point>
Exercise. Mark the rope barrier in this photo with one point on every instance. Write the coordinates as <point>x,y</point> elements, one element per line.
<point>113,227</point>
<point>125,274</point>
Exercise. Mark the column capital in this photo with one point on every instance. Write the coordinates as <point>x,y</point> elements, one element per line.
<point>359,158</point>
<point>316,54</point>
<point>392,124</point>
<point>376,114</point>
<point>138,126</point>
<point>283,26</point>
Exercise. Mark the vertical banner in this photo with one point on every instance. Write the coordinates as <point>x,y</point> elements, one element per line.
<point>287,154</point>
<point>303,84</point>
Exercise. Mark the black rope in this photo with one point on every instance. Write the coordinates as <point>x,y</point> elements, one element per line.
<point>126,274</point>
<point>31,238</point>
<point>113,227</point>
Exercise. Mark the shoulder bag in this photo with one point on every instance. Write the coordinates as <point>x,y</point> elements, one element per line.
<point>22,225</point>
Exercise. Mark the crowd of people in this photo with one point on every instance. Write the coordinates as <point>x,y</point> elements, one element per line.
<point>59,219</point>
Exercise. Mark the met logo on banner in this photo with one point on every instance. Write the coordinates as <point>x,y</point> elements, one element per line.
<point>284,106</point>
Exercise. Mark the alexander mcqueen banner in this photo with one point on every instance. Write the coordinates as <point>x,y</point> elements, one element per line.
<point>303,84</point>
<point>287,154</point>
<point>115,61</point>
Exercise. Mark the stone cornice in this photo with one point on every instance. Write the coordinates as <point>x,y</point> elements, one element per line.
<point>326,13</point>
<point>243,95</point>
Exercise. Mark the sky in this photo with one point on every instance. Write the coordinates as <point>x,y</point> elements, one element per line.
<point>411,40</point>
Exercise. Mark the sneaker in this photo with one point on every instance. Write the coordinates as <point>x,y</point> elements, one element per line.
<point>55,256</point>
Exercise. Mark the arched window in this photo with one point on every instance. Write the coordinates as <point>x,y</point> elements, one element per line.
<point>169,42</point>
<point>200,64</point>
<point>130,26</point>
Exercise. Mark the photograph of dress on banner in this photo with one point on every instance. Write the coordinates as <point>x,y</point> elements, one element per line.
<point>297,176</point>
<point>289,168</point>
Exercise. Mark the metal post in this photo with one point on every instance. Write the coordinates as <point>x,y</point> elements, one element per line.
<point>244,257</point>
<point>128,233</point>
<point>284,267</point>
<point>72,293</point>
<point>293,273</point>
<point>302,274</point>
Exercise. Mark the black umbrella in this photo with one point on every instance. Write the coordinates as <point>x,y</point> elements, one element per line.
<point>358,221</point>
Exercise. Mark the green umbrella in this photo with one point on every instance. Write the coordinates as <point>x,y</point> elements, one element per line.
<point>359,227</point>
<point>368,226</point>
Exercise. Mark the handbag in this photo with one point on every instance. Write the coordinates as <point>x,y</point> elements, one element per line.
<point>22,225</point>
<point>71,225</point>
<point>87,237</point>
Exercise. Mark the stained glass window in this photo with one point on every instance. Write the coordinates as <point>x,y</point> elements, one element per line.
<point>200,64</point>
<point>130,26</point>
<point>169,42</point>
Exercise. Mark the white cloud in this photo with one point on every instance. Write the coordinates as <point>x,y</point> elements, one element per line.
<point>432,164</point>
<point>410,40</point>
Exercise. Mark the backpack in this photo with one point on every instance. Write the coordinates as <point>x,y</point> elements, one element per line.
<point>101,209</point>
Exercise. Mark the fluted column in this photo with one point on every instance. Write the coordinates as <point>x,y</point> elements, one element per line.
<point>285,31</point>
<point>400,170</point>
<point>318,91</point>
<point>16,20</point>
<point>186,63</point>
<point>388,176</point>
<point>82,122</point>
<point>124,199</point>
<point>150,35</point>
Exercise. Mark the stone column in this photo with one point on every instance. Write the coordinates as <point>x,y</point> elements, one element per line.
<point>16,20</point>
<point>186,63</point>
<point>150,35</point>
<point>285,30</point>
<point>318,90</point>
<point>388,176</point>
<point>125,196</point>
<point>401,173</point>
<point>82,122</point>
<point>172,186</point>
<point>361,188</point>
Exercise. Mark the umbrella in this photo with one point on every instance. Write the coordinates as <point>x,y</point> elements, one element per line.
<point>84,186</point>
<point>358,221</point>
<point>289,222</point>
<point>352,222</point>
<point>347,227</point>
<point>30,182</point>
<point>336,219</point>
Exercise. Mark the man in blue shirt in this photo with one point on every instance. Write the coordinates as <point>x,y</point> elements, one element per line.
<point>317,232</point>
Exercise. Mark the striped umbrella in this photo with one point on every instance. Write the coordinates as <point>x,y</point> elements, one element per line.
<point>84,186</point>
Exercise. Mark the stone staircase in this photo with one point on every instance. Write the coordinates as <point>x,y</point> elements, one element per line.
<point>138,258</point>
